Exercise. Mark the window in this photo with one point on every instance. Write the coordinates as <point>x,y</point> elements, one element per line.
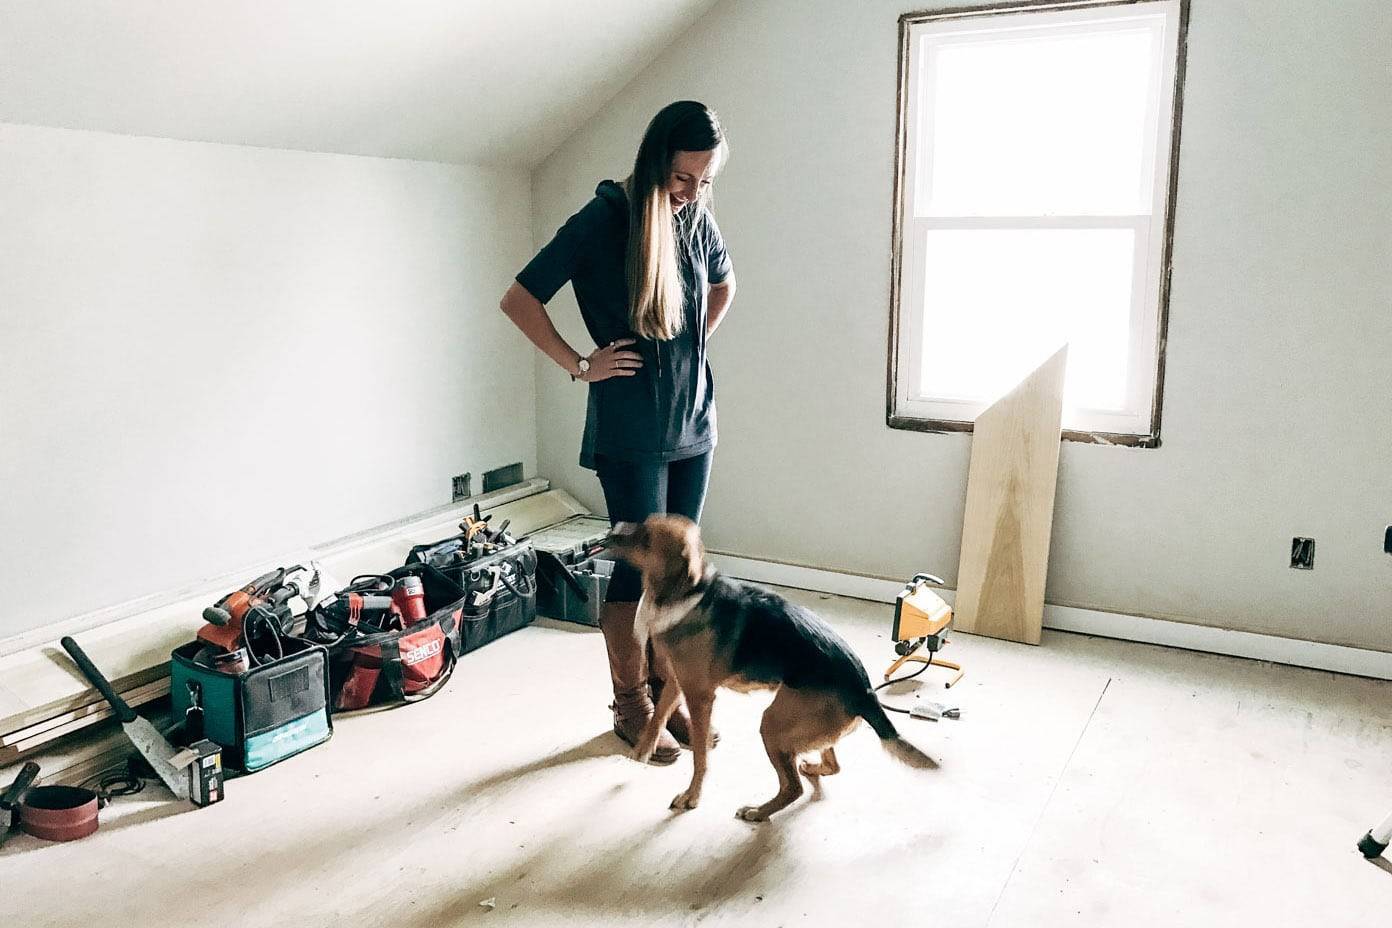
<point>1033,207</point>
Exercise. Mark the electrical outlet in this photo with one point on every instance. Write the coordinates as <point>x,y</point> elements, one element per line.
<point>1303,553</point>
<point>460,487</point>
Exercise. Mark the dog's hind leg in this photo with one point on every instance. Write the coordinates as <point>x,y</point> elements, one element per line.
<point>778,726</point>
<point>789,786</point>
<point>700,705</point>
<point>826,768</point>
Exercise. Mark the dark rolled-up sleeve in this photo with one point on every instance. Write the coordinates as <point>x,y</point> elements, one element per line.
<point>562,257</point>
<point>718,266</point>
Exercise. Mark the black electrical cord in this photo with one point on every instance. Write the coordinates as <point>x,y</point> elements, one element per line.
<point>259,623</point>
<point>121,780</point>
<point>383,583</point>
<point>908,676</point>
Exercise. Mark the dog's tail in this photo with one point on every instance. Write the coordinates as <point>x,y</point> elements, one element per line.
<point>901,750</point>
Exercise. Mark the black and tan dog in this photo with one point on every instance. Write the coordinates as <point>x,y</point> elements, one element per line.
<point>711,631</point>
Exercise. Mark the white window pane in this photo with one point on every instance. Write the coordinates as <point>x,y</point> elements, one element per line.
<point>1039,126</point>
<point>997,303</point>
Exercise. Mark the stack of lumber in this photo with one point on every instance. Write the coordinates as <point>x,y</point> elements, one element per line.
<point>46,704</point>
<point>47,697</point>
<point>20,742</point>
<point>79,759</point>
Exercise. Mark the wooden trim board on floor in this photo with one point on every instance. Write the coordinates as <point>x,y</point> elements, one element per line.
<point>58,698</point>
<point>1010,508</point>
<point>101,747</point>
<point>95,712</point>
<point>1360,662</point>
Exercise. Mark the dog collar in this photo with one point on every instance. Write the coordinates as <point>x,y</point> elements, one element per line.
<point>706,587</point>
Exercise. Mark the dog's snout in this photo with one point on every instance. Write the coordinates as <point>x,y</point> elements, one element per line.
<point>623,532</point>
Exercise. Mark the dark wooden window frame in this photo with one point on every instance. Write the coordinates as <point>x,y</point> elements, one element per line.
<point>913,423</point>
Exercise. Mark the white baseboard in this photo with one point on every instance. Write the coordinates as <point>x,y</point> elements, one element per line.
<point>856,586</point>
<point>1337,658</point>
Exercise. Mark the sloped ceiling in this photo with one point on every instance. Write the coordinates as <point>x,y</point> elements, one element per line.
<point>460,81</point>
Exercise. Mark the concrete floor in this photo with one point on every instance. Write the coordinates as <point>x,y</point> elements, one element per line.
<point>1089,783</point>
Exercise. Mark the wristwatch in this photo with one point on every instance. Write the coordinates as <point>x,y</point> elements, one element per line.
<point>584,365</point>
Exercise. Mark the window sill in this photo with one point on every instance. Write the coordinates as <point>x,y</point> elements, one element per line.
<point>941,426</point>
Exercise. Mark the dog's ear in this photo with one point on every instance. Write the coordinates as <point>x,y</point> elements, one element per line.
<point>695,557</point>
<point>677,573</point>
<point>694,553</point>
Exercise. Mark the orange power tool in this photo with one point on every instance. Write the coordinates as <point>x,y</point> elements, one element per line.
<point>224,628</point>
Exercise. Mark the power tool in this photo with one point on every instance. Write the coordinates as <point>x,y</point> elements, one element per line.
<point>375,609</point>
<point>408,597</point>
<point>384,602</point>
<point>224,618</point>
<point>260,610</point>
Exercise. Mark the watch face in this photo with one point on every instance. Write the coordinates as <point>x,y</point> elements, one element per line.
<point>584,365</point>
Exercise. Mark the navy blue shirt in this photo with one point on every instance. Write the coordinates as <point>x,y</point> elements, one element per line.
<point>666,411</point>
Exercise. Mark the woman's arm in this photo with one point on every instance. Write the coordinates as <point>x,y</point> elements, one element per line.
<point>721,296</point>
<point>529,315</point>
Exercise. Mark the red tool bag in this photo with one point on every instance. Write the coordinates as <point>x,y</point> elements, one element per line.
<point>385,644</point>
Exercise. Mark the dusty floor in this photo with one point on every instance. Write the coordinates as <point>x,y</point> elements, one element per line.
<point>1088,783</point>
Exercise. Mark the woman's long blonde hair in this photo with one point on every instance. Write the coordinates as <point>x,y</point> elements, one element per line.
<point>656,299</point>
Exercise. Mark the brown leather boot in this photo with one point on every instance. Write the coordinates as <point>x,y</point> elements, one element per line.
<point>679,724</point>
<point>628,669</point>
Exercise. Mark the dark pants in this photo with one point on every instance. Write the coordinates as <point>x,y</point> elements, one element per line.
<point>635,491</point>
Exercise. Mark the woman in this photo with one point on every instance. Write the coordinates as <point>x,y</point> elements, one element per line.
<point>653,280</point>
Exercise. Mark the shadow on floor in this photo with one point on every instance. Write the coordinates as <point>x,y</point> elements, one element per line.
<point>603,745</point>
<point>619,881</point>
<point>20,843</point>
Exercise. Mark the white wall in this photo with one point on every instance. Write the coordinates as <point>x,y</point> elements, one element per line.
<point>211,354</point>
<point>1278,393</point>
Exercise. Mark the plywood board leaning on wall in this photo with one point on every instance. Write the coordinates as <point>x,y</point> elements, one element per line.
<point>1010,509</point>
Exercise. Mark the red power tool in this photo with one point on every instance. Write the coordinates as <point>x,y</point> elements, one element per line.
<point>265,600</point>
<point>408,595</point>
<point>225,627</point>
<point>403,607</point>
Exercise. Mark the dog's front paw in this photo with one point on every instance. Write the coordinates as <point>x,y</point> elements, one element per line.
<point>685,800</point>
<point>640,755</point>
<point>751,814</point>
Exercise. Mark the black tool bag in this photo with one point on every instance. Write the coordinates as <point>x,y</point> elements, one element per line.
<point>500,587</point>
<point>372,663</point>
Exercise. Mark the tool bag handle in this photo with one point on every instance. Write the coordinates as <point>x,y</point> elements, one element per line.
<point>550,567</point>
<point>515,554</point>
<point>391,668</point>
<point>422,554</point>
